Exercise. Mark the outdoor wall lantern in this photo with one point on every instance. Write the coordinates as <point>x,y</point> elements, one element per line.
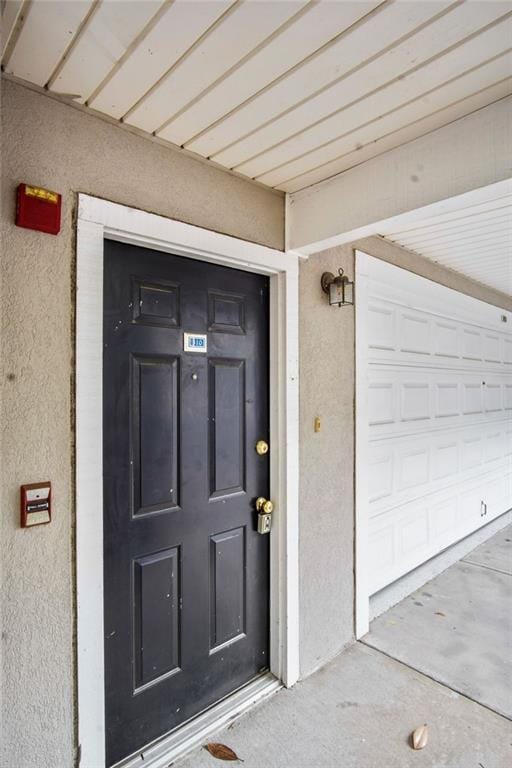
<point>339,288</point>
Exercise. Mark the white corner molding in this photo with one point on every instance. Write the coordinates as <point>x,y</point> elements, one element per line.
<point>361,601</point>
<point>287,232</point>
<point>471,156</point>
<point>99,220</point>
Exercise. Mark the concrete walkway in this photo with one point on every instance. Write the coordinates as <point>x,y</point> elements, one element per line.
<point>358,711</point>
<point>458,627</point>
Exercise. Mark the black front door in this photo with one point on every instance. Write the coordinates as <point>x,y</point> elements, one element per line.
<point>186,575</point>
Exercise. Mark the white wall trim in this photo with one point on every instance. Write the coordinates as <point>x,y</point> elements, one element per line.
<point>287,233</point>
<point>99,220</point>
<point>362,607</point>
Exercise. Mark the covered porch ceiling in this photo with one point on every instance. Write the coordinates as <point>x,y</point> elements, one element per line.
<point>289,93</point>
<point>474,239</point>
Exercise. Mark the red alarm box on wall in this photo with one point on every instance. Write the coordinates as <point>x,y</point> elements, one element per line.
<point>38,208</point>
<point>35,504</point>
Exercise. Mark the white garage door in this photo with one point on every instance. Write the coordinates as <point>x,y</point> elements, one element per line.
<point>434,408</point>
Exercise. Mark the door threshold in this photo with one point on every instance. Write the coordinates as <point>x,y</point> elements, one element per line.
<point>168,749</point>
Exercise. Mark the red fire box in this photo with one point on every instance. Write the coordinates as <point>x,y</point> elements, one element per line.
<point>35,504</point>
<point>38,208</point>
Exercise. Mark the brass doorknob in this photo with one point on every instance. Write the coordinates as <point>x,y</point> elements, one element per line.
<point>261,447</point>
<point>264,505</point>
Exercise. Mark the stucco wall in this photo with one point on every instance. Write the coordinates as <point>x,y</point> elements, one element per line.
<point>53,145</point>
<point>327,390</point>
<point>326,360</point>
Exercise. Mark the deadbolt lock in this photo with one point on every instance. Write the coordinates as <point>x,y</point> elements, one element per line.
<point>261,447</point>
<point>264,507</point>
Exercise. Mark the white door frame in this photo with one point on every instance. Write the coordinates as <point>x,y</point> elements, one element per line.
<point>99,220</point>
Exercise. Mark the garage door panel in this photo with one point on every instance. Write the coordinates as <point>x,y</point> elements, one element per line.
<point>414,468</point>
<point>381,546</point>
<point>414,333</point>
<point>495,495</point>
<point>472,398</point>
<point>492,352</point>
<point>410,334</point>
<point>381,480</point>
<point>507,397</point>
<point>381,326</point>
<point>437,400</point>
<point>446,399</point>
<point>492,397</point>
<point>381,403</point>
<point>413,534</point>
<point>471,509</point>
<point>443,520</point>
<point>408,400</point>
<point>403,469</point>
<point>446,340</point>
<point>507,351</point>
<point>494,447</point>
<point>472,344</point>
<point>403,538</point>
<point>445,460</point>
<point>472,452</point>
<point>414,401</point>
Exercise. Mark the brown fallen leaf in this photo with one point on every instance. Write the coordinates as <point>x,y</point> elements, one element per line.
<point>440,613</point>
<point>221,752</point>
<point>419,737</point>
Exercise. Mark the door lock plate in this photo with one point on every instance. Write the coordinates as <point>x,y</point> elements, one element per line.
<point>264,522</point>
<point>264,508</point>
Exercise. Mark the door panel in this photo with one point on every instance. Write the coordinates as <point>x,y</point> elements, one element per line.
<point>156,614</point>
<point>154,408</point>
<point>227,427</point>
<point>228,590</point>
<point>186,575</point>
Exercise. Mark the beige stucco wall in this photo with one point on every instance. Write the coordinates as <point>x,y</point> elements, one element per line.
<point>326,375</point>
<point>56,146</point>
<point>327,390</point>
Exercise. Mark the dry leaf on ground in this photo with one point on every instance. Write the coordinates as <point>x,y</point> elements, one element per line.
<point>419,737</point>
<point>221,752</point>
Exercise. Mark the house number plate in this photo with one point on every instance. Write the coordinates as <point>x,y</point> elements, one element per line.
<point>195,342</point>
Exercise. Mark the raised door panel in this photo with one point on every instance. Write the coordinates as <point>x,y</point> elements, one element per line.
<point>228,587</point>
<point>156,616</point>
<point>155,434</point>
<point>227,427</point>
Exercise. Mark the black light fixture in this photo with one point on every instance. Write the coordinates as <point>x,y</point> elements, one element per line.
<point>339,288</point>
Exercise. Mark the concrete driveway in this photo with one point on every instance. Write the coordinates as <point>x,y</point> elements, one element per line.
<point>440,657</point>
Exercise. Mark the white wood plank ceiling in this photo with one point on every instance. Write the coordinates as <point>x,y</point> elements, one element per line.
<point>475,240</point>
<point>288,92</point>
